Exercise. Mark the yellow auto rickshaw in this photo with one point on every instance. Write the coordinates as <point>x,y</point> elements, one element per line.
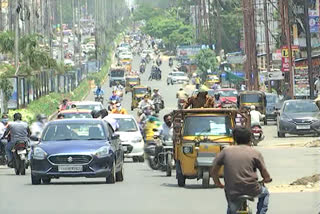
<point>131,81</point>
<point>211,80</point>
<point>138,93</point>
<point>199,135</point>
<point>257,98</point>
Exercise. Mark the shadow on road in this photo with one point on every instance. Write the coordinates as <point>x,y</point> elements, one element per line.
<point>71,183</point>
<point>189,186</point>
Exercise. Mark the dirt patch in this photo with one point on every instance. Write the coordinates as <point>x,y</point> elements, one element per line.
<point>308,180</point>
<point>315,143</point>
<point>305,184</point>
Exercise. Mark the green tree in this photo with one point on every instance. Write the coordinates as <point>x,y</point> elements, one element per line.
<point>206,60</point>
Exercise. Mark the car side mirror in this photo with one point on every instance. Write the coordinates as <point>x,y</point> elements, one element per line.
<point>34,138</point>
<point>115,137</point>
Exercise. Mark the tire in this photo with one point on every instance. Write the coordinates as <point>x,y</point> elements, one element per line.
<point>205,179</point>
<point>35,180</point>
<point>135,159</point>
<point>17,164</point>
<point>255,142</point>
<point>169,165</point>
<point>119,175</point>
<point>132,108</point>
<point>46,180</point>
<point>111,179</point>
<point>153,164</point>
<point>181,180</point>
<point>281,135</point>
<point>141,159</point>
<point>22,167</point>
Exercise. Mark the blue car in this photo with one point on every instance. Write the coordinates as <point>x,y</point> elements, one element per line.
<point>77,148</point>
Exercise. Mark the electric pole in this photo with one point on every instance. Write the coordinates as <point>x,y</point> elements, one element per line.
<point>309,50</point>
<point>266,32</point>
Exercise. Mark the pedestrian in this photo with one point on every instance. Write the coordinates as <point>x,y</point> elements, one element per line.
<point>240,163</point>
<point>317,85</point>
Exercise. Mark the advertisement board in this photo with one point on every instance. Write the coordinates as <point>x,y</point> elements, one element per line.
<point>285,57</point>
<point>301,82</point>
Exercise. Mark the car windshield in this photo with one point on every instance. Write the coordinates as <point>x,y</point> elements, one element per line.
<point>228,93</point>
<point>117,73</point>
<point>251,98</point>
<point>77,115</point>
<point>207,126</point>
<point>178,74</point>
<point>133,79</point>
<point>213,78</point>
<point>74,131</point>
<point>300,107</point>
<point>89,107</point>
<point>140,90</point>
<point>272,99</point>
<point>126,125</point>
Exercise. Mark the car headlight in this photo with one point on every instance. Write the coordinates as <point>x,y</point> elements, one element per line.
<point>187,149</point>
<point>39,154</point>
<point>103,152</point>
<point>137,139</point>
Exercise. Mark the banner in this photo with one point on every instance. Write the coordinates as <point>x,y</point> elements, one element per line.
<point>314,21</point>
<point>285,57</point>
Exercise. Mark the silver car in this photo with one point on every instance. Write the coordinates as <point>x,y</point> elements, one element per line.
<point>298,117</point>
<point>177,78</point>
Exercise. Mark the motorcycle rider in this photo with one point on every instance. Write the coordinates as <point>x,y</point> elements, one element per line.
<point>38,126</point>
<point>170,62</point>
<point>256,117</point>
<point>114,97</point>
<point>156,96</point>
<point>3,124</point>
<point>118,87</point>
<point>166,131</point>
<point>146,102</point>
<point>119,109</point>
<point>19,131</point>
<point>201,100</point>
<point>240,163</point>
<point>182,97</point>
<point>63,105</point>
<point>217,101</point>
<point>99,91</point>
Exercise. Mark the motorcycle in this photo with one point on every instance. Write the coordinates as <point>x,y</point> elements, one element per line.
<point>170,63</point>
<point>181,103</point>
<point>20,154</point>
<point>257,134</point>
<point>99,98</point>
<point>159,62</point>
<point>142,68</point>
<point>3,157</point>
<point>158,104</point>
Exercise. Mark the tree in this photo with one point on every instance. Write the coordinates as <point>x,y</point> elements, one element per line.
<point>206,60</point>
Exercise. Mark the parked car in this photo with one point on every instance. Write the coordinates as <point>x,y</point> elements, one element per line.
<point>177,78</point>
<point>228,95</point>
<point>272,103</point>
<point>130,136</point>
<point>298,117</point>
<point>89,105</point>
<point>77,148</point>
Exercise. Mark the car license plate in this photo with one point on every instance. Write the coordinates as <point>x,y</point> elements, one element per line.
<point>303,127</point>
<point>22,152</point>
<point>124,148</point>
<point>68,168</point>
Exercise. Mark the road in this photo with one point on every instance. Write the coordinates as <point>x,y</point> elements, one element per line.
<point>147,191</point>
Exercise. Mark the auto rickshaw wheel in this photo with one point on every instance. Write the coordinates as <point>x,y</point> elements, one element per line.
<point>205,179</point>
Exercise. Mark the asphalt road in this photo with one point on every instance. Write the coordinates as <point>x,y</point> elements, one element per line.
<point>147,191</point>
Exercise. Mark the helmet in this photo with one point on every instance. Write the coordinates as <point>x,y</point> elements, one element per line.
<point>181,89</point>
<point>41,117</point>
<point>203,88</point>
<point>252,107</point>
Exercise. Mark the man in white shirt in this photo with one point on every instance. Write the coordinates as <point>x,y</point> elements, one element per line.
<point>256,116</point>
<point>317,85</point>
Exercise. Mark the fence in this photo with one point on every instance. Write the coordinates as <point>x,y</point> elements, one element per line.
<point>26,88</point>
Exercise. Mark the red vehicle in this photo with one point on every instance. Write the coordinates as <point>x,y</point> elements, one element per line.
<point>228,95</point>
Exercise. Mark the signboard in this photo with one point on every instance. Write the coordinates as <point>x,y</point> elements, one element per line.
<point>285,56</point>
<point>13,101</point>
<point>189,50</point>
<point>301,82</point>
<point>277,56</point>
<point>314,21</point>
<point>275,75</point>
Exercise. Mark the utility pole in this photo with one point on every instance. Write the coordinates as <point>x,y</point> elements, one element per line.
<point>61,33</point>
<point>74,29</point>
<point>79,33</point>
<point>16,36</point>
<point>266,32</point>
<point>309,49</point>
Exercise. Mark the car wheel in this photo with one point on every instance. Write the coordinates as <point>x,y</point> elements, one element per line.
<point>35,180</point>
<point>281,135</point>
<point>141,159</point>
<point>119,175</point>
<point>111,179</point>
<point>135,159</point>
<point>46,180</point>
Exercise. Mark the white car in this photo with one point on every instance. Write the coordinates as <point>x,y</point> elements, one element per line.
<point>130,136</point>
<point>177,77</point>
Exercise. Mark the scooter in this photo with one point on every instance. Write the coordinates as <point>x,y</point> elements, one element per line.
<point>257,134</point>
<point>20,154</point>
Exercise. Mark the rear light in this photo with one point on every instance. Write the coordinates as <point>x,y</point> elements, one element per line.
<point>19,146</point>
<point>256,130</point>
